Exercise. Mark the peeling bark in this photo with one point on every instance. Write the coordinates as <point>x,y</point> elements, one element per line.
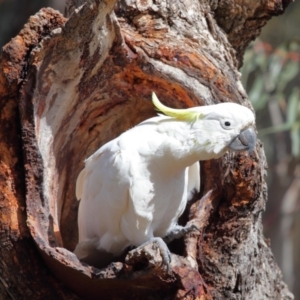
<point>79,83</point>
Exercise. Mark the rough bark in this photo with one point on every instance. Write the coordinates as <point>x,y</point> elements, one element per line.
<point>80,83</point>
<point>22,272</point>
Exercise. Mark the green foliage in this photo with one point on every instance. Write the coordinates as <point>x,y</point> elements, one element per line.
<point>272,80</point>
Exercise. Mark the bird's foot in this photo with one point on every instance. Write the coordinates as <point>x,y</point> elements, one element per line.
<point>178,232</point>
<point>147,251</point>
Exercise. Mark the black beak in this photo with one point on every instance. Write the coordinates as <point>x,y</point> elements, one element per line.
<point>245,141</point>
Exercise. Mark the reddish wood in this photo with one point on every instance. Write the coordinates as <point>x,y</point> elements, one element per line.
<point>81,83</point>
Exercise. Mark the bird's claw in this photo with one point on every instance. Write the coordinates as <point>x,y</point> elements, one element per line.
<point>179,232</point>
<point>163,249</point>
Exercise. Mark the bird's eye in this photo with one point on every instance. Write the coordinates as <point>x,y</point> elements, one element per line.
<point>227,124</point>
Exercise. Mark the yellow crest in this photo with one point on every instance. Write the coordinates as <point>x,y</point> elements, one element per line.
<point>186,114</point>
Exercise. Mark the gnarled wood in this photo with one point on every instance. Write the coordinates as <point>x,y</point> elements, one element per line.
<point>87,80</point>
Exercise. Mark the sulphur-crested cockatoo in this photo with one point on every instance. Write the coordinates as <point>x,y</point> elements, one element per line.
<point>134,188</point>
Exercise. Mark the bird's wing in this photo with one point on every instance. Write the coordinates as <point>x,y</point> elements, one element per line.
<point>103,187</point>
<point>194,178</point>
<point>79,184</point>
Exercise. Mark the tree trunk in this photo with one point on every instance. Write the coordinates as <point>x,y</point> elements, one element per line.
<point>68,87</point>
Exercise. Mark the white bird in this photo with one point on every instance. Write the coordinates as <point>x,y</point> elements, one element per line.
<point>134,188</point>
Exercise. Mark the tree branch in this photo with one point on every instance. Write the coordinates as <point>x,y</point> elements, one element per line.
<point>85,81</point>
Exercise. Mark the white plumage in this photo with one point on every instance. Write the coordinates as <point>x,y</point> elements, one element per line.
<point>136,186</point>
